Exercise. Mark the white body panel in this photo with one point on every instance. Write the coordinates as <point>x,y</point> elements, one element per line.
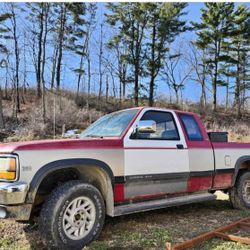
<point>201,159</point>
<point>227,157</point>
<point>112,157</point>
<point>154,156</point>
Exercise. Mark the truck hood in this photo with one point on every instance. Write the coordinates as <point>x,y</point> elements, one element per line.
<point>85,143</point>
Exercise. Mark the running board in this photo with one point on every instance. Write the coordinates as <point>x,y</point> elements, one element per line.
<point>162,203</point>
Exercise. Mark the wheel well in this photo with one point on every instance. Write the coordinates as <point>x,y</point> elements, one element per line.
<point>242,168</point>
<point>245,165</point>
<point>88,174</point>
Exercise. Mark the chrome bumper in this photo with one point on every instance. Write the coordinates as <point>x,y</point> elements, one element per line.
<point>12,201</point>
<point>13,193</point>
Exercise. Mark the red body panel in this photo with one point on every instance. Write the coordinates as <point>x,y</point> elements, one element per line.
<point>223,180</point>
<point>105,143</point>
<point>119,192</point>
<point>218,145</point>
<point>199,183</point>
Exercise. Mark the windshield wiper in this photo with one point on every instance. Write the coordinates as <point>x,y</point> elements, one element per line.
<point>94,136</point>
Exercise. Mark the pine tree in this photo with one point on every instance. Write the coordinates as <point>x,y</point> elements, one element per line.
<point>238,47</point>
<point>38,15</point>
<point>68,22</point>
<point>216,25</point>
<point>131,20</point>
<point>164,24</point>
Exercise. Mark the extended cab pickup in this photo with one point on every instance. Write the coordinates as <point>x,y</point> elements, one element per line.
<point>128,161</point>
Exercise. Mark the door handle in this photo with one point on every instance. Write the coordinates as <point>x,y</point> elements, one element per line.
<point>180,146</point>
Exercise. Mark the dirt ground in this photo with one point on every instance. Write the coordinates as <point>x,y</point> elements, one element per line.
<point>149,230</point>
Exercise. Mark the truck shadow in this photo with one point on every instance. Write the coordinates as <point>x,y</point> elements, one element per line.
<point>185,218</point>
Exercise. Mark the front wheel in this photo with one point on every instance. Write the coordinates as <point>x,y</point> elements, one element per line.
<point>240,194</point>
<point>73,216</point>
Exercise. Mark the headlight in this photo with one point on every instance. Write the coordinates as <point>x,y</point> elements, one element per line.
<point>8,167</point>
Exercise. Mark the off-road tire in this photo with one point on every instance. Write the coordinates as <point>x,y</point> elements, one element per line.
<point>53,210</point>
<point>236,193</point>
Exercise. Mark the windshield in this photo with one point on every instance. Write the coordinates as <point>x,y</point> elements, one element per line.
<point>111,125</point>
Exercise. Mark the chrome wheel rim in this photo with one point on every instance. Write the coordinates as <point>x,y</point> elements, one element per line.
<point>246,191</point>
<point>79,218</point>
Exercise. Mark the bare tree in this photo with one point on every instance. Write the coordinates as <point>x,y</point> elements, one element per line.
<point>54,61</point>
<point>100,59</point>
<point>61,33</point>
<point>119,65</point>
<point>176,71</point>
<point>45,23</point>
<point>13,18</point>
<point>107,88</point>
<point>197,58</point>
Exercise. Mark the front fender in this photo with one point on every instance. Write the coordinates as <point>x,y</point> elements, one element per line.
<point>63,164</point>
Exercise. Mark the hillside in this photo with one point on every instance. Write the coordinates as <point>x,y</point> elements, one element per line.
<point>67,113</point>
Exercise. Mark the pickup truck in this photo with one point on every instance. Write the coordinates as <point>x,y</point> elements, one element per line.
<point>128,161</point>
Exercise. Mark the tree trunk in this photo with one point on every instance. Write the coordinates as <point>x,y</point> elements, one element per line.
<point>17,59</point>
<point>214,83</point>
<point>203,98</point>
<point>177,99</point>
<point>237,87</point>
<point>227,94</point>
<point>237,96</point>
<point>100,63</point>
<point>79,75</point>
<point>39,56</point>
<point>152,69</point>
<point>136,60</point>
<point>123,82</point>
<point>113,85</point>
<point>214,95</point>
<point>60,45</point>
<point>24,69</point>
<point>46,10</point>
<point>107,88</point>
<point>136,90</point>
<point>89,80</point>
<point>1,111</point>
<point>53,72</point>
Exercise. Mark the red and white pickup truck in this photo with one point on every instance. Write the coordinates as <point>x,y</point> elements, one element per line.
<point>128,161</point>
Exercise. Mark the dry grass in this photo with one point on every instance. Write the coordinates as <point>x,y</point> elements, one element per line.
<point>148,230</point>
<point>72,113</point>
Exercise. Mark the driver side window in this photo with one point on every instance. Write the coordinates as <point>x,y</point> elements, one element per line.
<point>165,126</point>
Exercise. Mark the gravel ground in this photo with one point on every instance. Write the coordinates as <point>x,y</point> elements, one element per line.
<point>149,230</point>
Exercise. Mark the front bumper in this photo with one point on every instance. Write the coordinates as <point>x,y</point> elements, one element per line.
<point>12,199</point>
<point>13,193</point>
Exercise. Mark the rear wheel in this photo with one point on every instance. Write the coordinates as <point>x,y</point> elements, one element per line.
<point>73,216</point>
<point>240,194</point>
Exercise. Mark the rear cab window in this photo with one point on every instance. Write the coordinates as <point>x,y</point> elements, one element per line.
<point>191,127</point>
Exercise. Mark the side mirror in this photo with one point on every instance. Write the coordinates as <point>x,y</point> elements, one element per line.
<point>147,126</point>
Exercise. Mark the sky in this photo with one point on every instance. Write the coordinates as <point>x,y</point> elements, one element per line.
<point>191,91</point>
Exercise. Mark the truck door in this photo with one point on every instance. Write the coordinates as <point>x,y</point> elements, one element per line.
<point>201,157</point>
<point>156,163</point>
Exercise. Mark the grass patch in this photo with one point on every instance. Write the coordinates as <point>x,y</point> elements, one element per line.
<point>6,243</point>
<point>145,231</point>
<point>99,245</point>
<point>217,244</point>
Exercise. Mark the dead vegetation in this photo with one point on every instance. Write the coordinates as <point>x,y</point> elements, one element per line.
<point>149,230</point>
<point>65,110</point>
